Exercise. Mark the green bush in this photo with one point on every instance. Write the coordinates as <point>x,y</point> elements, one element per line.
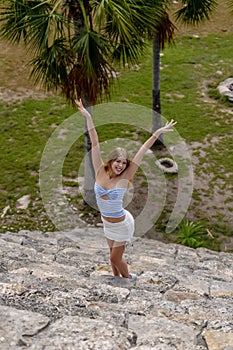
<point>190,234</point>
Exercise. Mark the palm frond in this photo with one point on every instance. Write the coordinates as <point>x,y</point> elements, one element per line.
<point>195,11</point>
<point>126,24</point>
<point>34,22</point>
<point>93,72</point>
<point>14,15</point>
<point>165,30</point>
<point>50,68</point>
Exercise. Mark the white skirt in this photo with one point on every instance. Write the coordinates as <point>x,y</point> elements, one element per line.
<point>120,231</point>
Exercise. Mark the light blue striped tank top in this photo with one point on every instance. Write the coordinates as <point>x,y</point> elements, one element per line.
<point>112,207</point>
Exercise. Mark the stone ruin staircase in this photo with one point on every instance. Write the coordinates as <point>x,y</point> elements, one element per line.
<point>57,292</point>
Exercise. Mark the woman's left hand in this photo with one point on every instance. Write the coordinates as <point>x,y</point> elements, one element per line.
<point>167,128</point>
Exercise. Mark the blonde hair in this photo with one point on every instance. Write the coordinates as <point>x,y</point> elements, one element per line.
<point>113,155</point>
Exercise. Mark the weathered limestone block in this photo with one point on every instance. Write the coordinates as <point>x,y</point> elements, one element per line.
<point>16,324</point>
<point>84,333</point>
<point>218,340</point>
<point>161,331</point>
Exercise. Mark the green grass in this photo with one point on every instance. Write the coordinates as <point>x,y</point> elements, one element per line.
<point>188,66</point>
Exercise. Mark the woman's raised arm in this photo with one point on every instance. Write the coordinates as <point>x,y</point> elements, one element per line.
<point>147,145</point>
<point>96,155</point>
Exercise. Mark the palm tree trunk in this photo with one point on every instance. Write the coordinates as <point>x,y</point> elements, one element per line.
<point>89,173</point>
<point>156,103</point>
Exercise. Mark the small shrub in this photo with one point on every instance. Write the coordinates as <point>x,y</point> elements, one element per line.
<point>190,234</point>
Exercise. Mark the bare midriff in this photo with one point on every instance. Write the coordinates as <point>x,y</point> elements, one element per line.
<point>113,220</point>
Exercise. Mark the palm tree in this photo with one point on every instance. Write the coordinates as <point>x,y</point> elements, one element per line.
<point>190,12</point>
<point>74,44</point>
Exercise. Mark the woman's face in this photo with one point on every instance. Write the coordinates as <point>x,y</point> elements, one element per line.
<point>119,165</point>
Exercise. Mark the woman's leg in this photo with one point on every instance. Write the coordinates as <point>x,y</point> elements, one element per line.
<point>119,266</point>
<point>114,268</point>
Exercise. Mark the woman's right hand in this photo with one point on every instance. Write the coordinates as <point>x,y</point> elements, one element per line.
<point>81,109</point>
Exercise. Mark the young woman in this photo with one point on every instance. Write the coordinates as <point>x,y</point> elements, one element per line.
<point>112,179</point>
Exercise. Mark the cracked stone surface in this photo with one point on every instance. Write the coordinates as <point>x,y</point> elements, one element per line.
<point>57,292</point>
